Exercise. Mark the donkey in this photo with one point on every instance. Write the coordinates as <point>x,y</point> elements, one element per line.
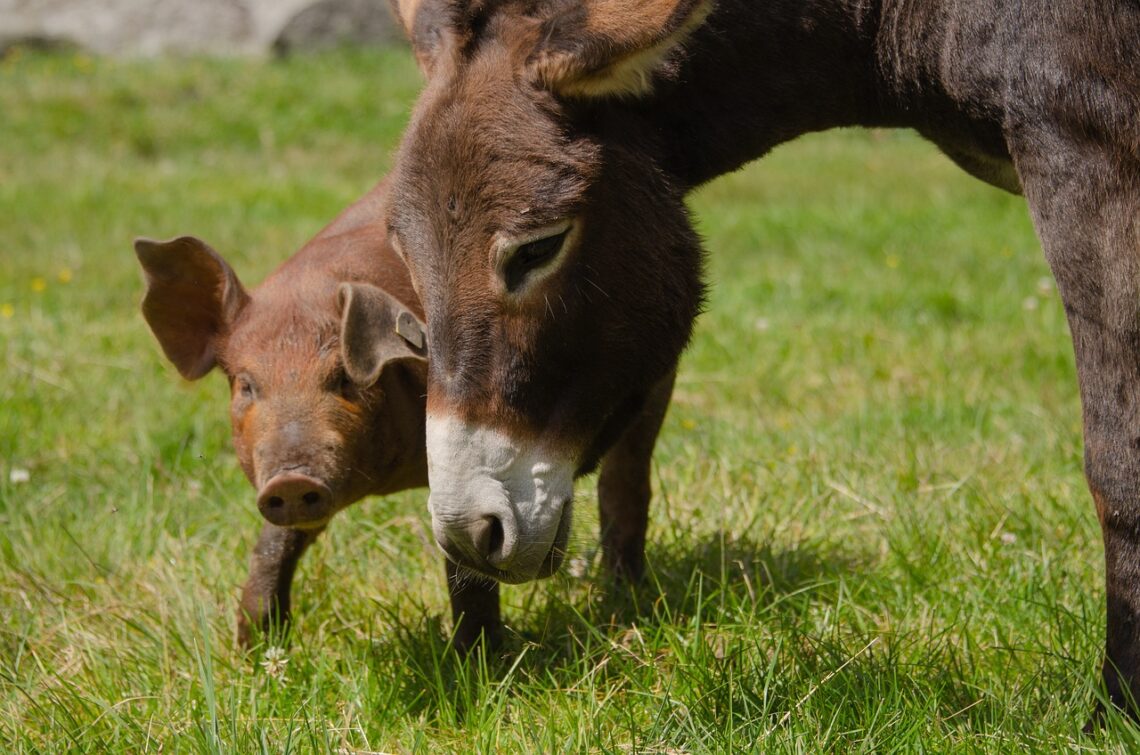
<point>538,203</point>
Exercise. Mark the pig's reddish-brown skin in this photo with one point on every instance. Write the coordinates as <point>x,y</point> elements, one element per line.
<point>360,440</point>
<point>293,408</point>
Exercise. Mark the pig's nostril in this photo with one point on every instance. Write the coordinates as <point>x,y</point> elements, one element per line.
<point>292,499</point>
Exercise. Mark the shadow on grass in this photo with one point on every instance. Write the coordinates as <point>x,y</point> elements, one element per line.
<point>734,625</point>
<point>574,624</point>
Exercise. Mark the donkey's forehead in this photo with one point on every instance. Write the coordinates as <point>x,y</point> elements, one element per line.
<point>490,152</point>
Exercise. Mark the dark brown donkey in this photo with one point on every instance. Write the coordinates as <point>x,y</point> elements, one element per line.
<point>327,378</point>
<point>538,203</point>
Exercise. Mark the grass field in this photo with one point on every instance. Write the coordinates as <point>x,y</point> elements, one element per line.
<point>870,529</point>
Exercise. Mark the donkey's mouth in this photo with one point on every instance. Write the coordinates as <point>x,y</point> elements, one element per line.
<point>557,554</point>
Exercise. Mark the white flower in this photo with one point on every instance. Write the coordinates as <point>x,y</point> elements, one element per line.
<point>275,662</point>
<point>19,476</point>
<point>577,567</point>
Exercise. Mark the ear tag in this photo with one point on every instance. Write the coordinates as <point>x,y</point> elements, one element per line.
<point>409,329</point>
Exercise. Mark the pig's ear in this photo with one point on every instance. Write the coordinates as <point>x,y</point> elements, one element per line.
<point>192,296</point>
<point>375,330</point>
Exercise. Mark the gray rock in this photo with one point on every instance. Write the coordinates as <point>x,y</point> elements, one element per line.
<point>9,42</point>
<point>139,27</point>
<point>330,23</point>
<point>228,27</point>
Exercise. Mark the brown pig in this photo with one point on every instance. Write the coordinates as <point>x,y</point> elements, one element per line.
<point>326,366</point>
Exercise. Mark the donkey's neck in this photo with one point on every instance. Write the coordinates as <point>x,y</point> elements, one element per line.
<point>762,72</point>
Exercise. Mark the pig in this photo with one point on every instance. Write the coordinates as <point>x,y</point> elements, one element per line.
<point>326,366</point>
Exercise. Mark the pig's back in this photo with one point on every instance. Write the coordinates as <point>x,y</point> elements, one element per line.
<point>352,248</point>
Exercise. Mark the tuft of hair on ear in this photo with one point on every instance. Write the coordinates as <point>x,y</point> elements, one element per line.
<point>431,26</point>
<point>614,48</point>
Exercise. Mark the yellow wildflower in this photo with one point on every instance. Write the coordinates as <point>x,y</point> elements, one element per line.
<point>38,284</point>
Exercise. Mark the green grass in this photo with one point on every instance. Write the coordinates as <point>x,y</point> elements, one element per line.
<point>870,530</point>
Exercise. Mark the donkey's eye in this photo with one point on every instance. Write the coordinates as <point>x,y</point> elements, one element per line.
<point>531,256</point>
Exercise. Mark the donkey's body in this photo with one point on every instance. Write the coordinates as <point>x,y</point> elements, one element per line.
<point>578,127</point>
<point>758,74</point>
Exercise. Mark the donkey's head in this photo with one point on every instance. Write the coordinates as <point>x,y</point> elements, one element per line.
<point>557,266</point>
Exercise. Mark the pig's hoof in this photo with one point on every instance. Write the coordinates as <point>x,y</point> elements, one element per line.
<point>269,627</point>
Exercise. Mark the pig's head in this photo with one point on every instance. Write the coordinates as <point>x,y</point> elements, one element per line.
<point>326,377</point>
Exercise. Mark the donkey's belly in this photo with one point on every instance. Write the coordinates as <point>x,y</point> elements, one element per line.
<point>996,170</point>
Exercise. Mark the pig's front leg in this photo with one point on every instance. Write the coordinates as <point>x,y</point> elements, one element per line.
<point>474,609</point>
<point>265,595</point>
<point>624,489</point>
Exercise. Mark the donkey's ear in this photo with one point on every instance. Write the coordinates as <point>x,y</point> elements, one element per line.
<point>376,330</point>
<point>607,48</point>
<point>425,23</point>
<point>192,296</point>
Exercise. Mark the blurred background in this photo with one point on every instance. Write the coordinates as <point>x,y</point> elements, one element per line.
<point>153,27</point>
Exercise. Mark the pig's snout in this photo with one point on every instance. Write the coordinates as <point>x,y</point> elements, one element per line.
<point>291,499</point>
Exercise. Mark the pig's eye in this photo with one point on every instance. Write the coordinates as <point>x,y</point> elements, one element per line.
<point>245,387</point>
<point>343,384</point>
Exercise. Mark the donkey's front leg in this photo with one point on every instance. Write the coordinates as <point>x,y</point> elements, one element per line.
<point>474,609</point>
<point>624,487</point>
<point>1085,201</point>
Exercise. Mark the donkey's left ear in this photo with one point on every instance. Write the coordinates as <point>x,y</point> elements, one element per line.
<point>376,330</point>
<point>608,48</point>
<point>427,24</point>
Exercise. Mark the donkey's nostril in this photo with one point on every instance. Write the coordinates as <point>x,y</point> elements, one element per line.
<point>275,502</point>
<point>486,535</point>
<point>486,542</point>
<point>311,498</point>
<point>495,543</point>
